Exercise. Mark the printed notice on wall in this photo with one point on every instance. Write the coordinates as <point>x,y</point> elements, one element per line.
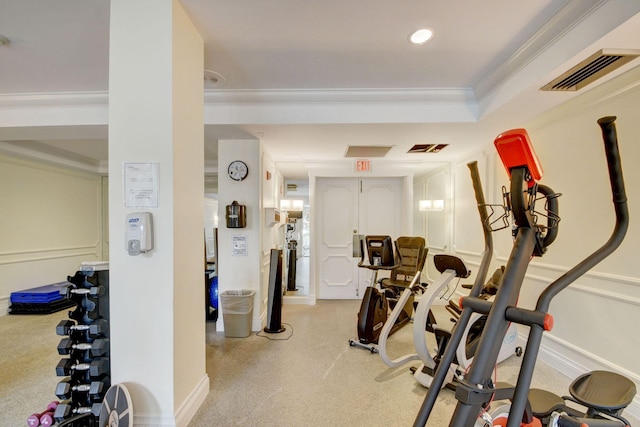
<point>140,185</point>
<point>239,246</point>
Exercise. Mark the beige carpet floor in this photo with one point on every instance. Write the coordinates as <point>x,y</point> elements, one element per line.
<point>305,376</point>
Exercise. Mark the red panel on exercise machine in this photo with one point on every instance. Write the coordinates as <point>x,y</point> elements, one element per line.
<point>515,149</point>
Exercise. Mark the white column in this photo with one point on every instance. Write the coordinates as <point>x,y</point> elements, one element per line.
<point>157,299</point>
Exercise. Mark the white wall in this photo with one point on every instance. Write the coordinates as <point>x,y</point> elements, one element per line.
<point>51,221</point>
<point>237,272</point>
<point>435,226</point>
<point>263,188</point>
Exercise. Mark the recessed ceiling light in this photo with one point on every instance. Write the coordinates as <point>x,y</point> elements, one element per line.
<point>421,36</point>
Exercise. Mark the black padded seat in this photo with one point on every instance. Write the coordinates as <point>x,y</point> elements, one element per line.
<point>602,390</point>
<point>412,252</point>
<point>543,403</point>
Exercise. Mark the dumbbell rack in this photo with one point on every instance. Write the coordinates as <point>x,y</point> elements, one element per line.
<point>85,344</point>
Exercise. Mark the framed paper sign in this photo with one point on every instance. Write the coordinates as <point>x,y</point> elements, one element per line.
<point>239,245</point>
<point>140,182</point>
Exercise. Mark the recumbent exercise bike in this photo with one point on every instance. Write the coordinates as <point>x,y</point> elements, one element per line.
<point>377,304</point>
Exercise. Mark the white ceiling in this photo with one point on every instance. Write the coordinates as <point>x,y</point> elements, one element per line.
<point>310,78</point>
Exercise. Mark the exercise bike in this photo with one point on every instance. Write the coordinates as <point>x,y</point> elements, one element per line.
<point>441,319</point>
<point>384,311</point>
<point>475,391</point>
<point>451,267</point>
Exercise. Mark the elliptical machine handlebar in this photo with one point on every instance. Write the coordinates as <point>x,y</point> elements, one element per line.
<point>616,178</point>
<point>610,137</point>
<point>552,211</point>
<point>612,154</point>
<point>486,229</point>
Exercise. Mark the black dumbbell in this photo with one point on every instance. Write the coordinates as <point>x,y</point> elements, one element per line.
<point>95,389</point>
<point>88,304</point>
<point>84,316</point>
<point>84,279</point>
<point>98,327</point>
<point>96,368</point>
<point>99,346</point>
<point>94,291</point>
<point>77,279</point>
<point>66,409</point>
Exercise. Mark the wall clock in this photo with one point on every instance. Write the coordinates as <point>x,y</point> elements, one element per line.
<point>238,170</point>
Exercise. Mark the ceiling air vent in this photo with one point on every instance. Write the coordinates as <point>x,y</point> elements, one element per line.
<point>364,151</point>
<point>597,65</point>
<point>427,148</point>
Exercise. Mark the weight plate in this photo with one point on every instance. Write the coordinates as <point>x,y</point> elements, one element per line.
<point>117,410</point>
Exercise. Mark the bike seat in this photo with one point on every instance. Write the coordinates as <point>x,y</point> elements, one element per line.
<point>543,403</point>
<point>602,390</point>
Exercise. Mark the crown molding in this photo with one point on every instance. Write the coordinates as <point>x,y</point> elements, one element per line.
<point>339,95</point>
<point>449,105</point>
<point>558,26</point>
<point>54,98</point>
<point>260,96</point>
<point>33,151</point>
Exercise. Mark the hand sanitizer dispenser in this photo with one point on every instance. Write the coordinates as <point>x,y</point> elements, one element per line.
<point>139,233</point>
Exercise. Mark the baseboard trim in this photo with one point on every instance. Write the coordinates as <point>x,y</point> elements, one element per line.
<point>573,362</point>
<point>299,299</point>
<point>153,420</point>
<point>4,306</point>
<point>183,415</point>
<point>189,408</point>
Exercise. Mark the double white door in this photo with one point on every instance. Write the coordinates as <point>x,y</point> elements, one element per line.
<point>349,207</point>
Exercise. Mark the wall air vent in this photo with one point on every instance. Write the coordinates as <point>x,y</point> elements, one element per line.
<point>427,148</point>
<point>366,151</point>
<point>292,187</point>
<point>594,67</point>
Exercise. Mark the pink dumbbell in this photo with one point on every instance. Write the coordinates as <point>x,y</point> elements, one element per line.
<point>44,418</point>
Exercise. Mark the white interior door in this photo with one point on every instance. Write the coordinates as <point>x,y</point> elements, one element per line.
<point>379,213</point>
<point>337,200</point>
<point>348,207</point>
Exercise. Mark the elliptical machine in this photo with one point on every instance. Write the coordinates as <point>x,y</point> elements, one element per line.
<point>476,390</point>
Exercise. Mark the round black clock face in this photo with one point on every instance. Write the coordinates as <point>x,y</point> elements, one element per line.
<point>238,170</point>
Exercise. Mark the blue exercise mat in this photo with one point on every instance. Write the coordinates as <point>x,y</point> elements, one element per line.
<point>42,294</point>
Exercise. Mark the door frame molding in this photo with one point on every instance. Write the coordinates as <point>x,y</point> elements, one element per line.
<point>403,171</point>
